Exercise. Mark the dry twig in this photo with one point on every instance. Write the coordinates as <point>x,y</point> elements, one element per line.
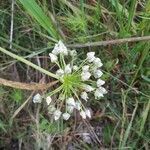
<point>110,42</point>
<point>26,86</point>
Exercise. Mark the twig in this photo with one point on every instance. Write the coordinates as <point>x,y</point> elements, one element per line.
<point>110,42</point>
<point>22,106</point>
<point>12,23</point>
<point>87,123</point>
<point>26,86</point>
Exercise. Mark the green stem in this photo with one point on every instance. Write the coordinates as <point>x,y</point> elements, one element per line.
<point>28,63</point>
<point>55,91</point>
<point>144,54</point>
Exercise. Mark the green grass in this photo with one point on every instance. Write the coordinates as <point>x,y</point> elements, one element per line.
<point>122,115</point>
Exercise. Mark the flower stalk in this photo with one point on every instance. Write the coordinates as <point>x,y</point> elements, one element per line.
<point>28,63</point>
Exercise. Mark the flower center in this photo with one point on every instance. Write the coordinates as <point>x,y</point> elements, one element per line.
<point>71,83</point>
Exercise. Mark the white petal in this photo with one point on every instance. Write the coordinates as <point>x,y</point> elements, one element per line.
<point>75,68</point>
<point>87,138</point>
<point>51,109</point>
<point>84,96</point>
<point>78,105</point>
<point>60,48</point>
<point>100,82</point>
<point>85,68</point>
<point>98,73</point>
<point>88,88</point>
<point>37,98</point>
<point>70,101</point>
<point>48,100</point>
<point>66,116</point>
<point>60,73</point>
<point>85,76</point>
<point>63,48</point>
<point>73,53</point>
<point>103,90</point>
<point>97,62</point>
<point>88,113</point>
<point>57,114</point>
<point>98,94</point>
<point>70,108</point>
<point>53,57</point>
<point>57,49</point>
<point>83,114</point>
<point>90,56</point>
<point>68,69</point>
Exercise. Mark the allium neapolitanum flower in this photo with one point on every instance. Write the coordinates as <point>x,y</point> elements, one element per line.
<point>78,82</point>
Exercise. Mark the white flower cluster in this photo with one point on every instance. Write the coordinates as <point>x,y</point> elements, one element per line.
<point>78,83</point>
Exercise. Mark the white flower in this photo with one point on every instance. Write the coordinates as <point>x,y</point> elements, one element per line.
<point>60,48</point>
<point>75,68</point>
<point>103,90</point>
<point>73,53</point>
<point>88,113</point>
<point>69,108</point>
<point>68,69</point>
<point>85,76</point>
<point>88,88</point>
<point>51,109</point>
<point>48,100</point>
<point>53,57</point>
<point>66,116</point>
<point>87,138</point>
<point>61,96</point>
<point>57,48</point>
<point>57,114</point>
<point>37,98</point>
<point>83,114</point>
<point>100,82</point>
<point>90,56</point>
<point>84,96</point>
<point>60,72</point>
<point>78,105</point>
<point>85,68</point>
<point>97,62</point>
<point>70,101</point>
<point>97,73</point>
<point>98,94</point>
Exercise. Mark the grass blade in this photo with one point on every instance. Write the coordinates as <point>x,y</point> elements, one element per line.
<point>127,132</point>
<point>37,13</point>
<point>131,14</point>
<point>144,117</point>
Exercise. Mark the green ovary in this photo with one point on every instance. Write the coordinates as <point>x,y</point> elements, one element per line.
<point>72,82</point>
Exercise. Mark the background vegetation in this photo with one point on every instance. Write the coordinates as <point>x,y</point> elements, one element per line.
<point>120,119</point>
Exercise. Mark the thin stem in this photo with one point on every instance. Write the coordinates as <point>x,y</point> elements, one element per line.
<point>55,91</point>
<point>81,65</point>
<point>78,99</point>
<point>28,63</point>
<point>62,61</point>
<point>12,23</point>
<point>57,63</point>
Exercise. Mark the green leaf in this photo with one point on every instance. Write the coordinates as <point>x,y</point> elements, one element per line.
<point>145,78</point>
<point>37,13</point>
<point>50,127</point>
<point>2,126</point>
